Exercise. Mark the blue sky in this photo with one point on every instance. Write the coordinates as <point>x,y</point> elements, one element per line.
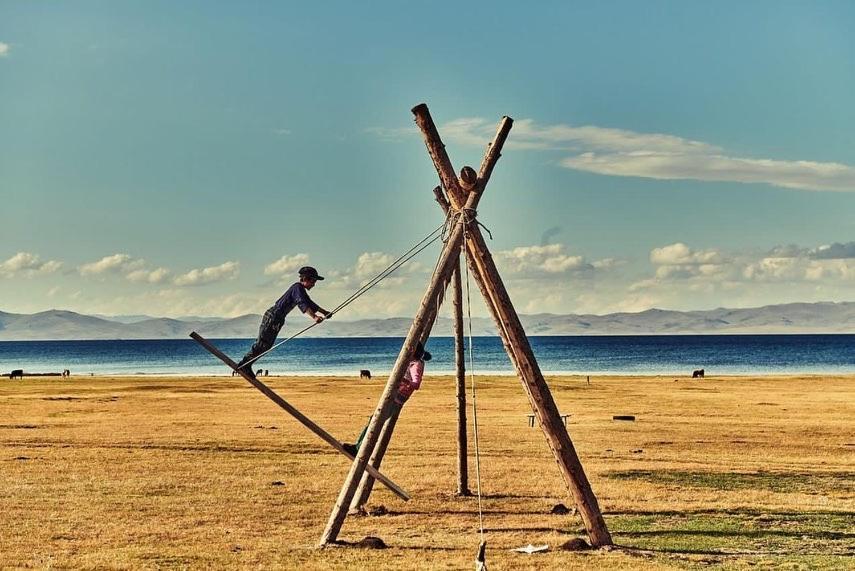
<point>185,158</point>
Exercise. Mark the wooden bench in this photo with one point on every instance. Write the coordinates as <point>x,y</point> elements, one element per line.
<point>531,419</point>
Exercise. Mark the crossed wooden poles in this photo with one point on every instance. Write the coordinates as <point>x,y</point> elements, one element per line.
<point>464,193</point>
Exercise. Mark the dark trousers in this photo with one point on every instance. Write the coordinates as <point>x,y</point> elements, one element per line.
<point>270,326</point>
<point>392,414</point>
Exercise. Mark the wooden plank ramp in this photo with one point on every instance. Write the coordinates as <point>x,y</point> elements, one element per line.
<point>301,418</point>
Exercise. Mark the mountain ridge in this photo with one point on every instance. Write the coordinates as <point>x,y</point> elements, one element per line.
<point>818,317</point>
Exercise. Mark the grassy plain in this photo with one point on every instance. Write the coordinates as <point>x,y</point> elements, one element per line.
<point>147,473</point>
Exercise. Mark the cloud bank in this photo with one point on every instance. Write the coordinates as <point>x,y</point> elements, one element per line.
<point>620,152</point>
<point>28,265</point>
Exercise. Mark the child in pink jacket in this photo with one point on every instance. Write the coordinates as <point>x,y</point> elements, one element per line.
<point>410,383</point>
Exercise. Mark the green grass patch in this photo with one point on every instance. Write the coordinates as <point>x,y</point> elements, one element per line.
<point>817,540</point>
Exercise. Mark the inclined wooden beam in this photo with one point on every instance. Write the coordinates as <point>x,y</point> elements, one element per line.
<point>424,320</point>
<point>287,407</point>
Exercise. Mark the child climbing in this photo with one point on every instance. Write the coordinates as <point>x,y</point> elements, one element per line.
<point>410,383</point>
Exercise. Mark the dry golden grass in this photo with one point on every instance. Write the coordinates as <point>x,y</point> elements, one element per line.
<point>144,473</point>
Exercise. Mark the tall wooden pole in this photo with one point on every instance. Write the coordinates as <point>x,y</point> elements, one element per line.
<point>423,321</point>
<point>511,331</point>
<point>460,367</point>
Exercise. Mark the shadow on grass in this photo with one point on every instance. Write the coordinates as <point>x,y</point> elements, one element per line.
<point>733,512</point>
<point>754,534</point>
<point>468,513</point>
<point>803,482</point>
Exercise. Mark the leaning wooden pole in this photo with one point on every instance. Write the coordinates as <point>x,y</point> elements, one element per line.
<point>423,321</point>
<point>511,330</point>
<point>299,416</point>
<point>460,377</point>
<point>519,350</point>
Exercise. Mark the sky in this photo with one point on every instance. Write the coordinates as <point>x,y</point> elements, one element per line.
<point>186,158</point>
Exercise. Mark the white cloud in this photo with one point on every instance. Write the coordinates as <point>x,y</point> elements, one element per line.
<point>683,273</point>
<point>286,265</point>
<point>4,49</point>
<point>27,264</point>
<point>679,266</point>
<point>800,269</point>
<point>114,263</point>
<point>679,262</point>
<point>620,152</point>
<point>801,175</point>
<point>679,253</point>
<point>133,269</point>
<point>369,264</point>
<point>550,259</point>
<point>155,276</point>
<point>196,277</point>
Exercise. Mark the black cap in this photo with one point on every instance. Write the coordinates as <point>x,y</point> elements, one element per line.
<point>310,272</point>
<point>421,353</point>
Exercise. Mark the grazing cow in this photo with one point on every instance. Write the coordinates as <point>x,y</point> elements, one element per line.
<point>365,374</point>
<point>19,373</point>
<point>259,372</point>
<point>66,373</point>
<point>698,373</point>
<point>266,372</point>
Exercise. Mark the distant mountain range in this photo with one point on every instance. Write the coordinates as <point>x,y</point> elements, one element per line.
<point>824,317</point>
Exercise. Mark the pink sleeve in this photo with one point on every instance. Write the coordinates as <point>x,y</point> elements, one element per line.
<point>416,370</point>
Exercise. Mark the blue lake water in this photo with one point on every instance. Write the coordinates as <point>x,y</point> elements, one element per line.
<point>646,355</point>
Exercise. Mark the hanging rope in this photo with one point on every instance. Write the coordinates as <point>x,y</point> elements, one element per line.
<point>419,247</point>
<point>480,563</point>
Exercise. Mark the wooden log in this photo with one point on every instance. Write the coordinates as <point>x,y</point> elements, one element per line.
<point>424,320</point>
<point>287,407</point>
<point>439,196</point>
<point>460,368</point>
<point>494,150</point>
<point>436,149</point>
<point>519,350</point>
<point>468,178</point>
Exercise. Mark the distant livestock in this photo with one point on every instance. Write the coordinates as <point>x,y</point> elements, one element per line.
<point>365,374</point>
<point>698,373</point>
<point>19,373</point>
<point>66,373</point>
